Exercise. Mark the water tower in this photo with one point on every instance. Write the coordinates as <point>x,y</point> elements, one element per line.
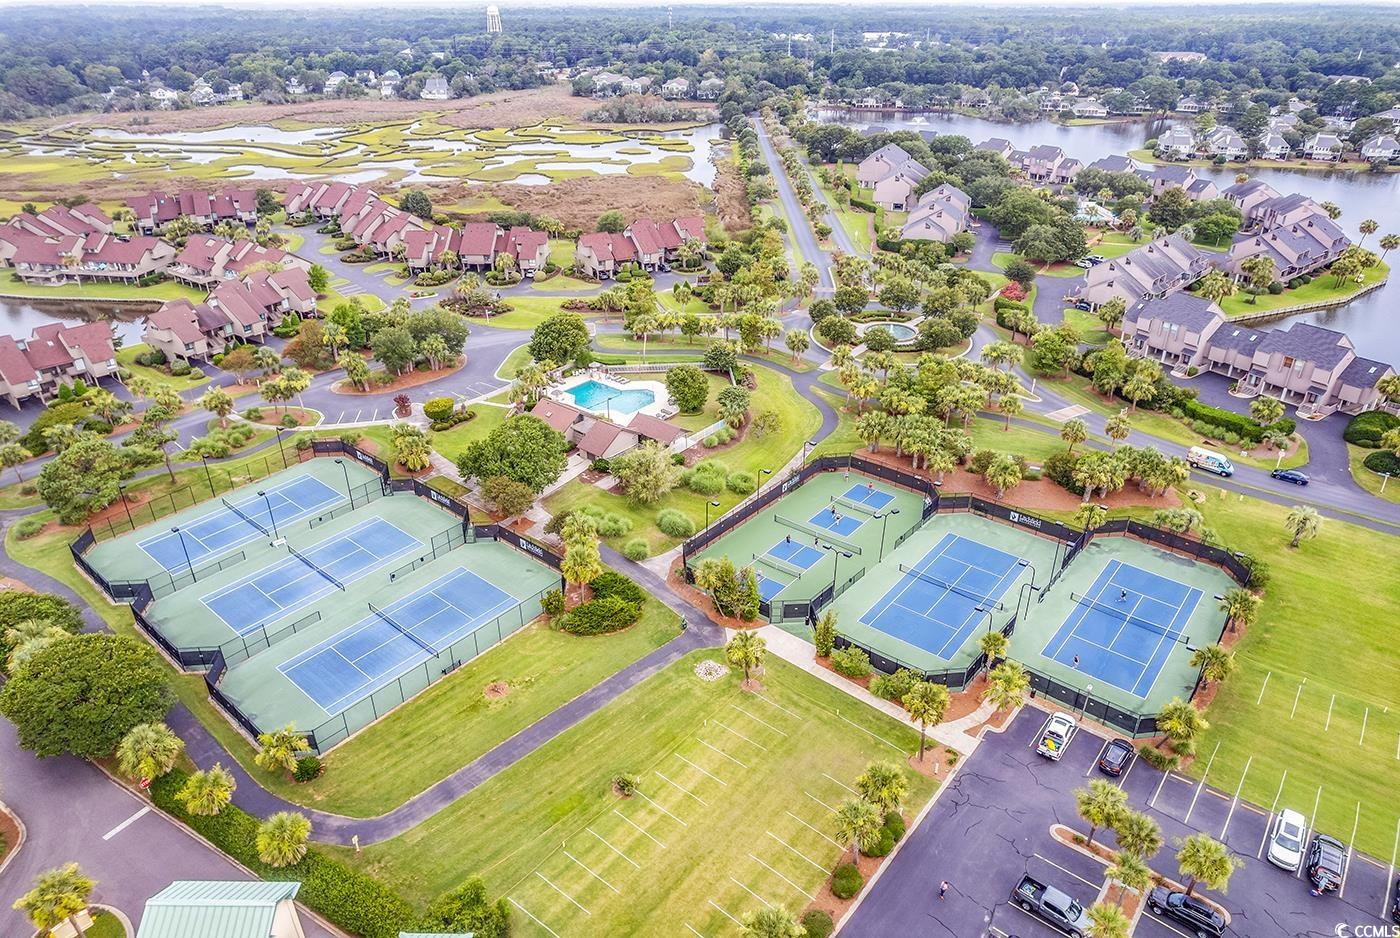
<point>493,19</point>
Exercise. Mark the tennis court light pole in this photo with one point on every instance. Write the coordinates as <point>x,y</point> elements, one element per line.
<point>208,476</point>
<point>272,517</point>
<point>708,506</point>
<point>280,450</point>
<point>884,522</point>
<point>761,474</point>
<point>341,463</point>
<point>181,536</point>
<point>121,487</point>
<point>837,565</point>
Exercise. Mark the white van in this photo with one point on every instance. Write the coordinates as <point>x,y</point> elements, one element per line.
<point>1210,461</point>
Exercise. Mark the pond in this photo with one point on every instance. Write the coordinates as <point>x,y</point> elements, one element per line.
<point>1359,195</point>
<point>19,318</point>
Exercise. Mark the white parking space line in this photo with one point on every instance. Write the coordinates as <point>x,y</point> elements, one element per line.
<point>1038,734</point>
<point>1235,803</point>
<point>804,856</point>
<point>766,699</point>
<point>842,784</point>
<point>1312,826</point>
<point>1351,846</point>
<point>693,931</point>
<point>532,917</point>
<point>819,801</point>
<point>751,892</point>
<point>758,720</point>
<point>722,753</point>
<point>1096,759</point>
<point>1262,687</point>
<point>702,771</point>
<point>867,732</point>
<point>643,830</point>
<point>782,877</point>
<point>681,787</point>
<point>613,849</point>
<point>1057,866</point>
<point>1160,782</point>
<point>591,873</point>
<point>1132,761</point>
<point>724,913</point>
<point>730,729</point>
<point>1204,775</point>
<point>661,809</point>
<point>1364,718</point>
<point>1295,699</point>
<point>814,830</point>
<point>127,823</point>
<point>1390,876</point>
<point>1269,820</point>
<point>562,893</point>
<point>1330,704</point>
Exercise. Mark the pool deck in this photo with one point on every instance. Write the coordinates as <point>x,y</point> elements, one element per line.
<point>660,396</point>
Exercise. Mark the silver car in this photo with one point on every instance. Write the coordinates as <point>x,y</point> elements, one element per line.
<point>1287,839</point>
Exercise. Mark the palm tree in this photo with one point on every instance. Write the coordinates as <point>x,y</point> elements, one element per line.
<point>1108,921</point>
<point>205,794</point>
<point>1090,516</point>
<point>1141,384</point>
<point>218,402</point>
<point>1010,406</point>
<point>281,839</point>
<point>1367,228</point>
<point>1138,833</point>
<point>1074,431</point>
<point>1100,804</point>
<point>1181,723</point>
<point>926,703</point>
<point>770,922</point>
<point>1214,662</point>
<point>279,749</point>
<point>1112,311</point>
<point>1389,243</point>
<point>267,359</point>
<point>1303,522</point>
<point>1203,859</point>
<point>29,637</point>
<point>105,404</point>
<point>1007,685</point>
<point>746,650</point>
<point>1216,286</point>
<point>884,785</point>
<point>148,751</point>
<point>57,896</point>
<point>1004,473</point>
<point>1241,607</point>
<point>797,342</point>
<point>993,645</point>
<point>1118,426</point>
<point>1333,211</point>
<point>857,823</point>
<point>1266,410</point>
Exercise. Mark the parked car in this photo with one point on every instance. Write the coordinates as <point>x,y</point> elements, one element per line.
<point>1096,258</point>
<point>1287,838</point>
<point>1209,460</point>
<point>1055,738</point>
<point>1327,863</point>
<point>1199,917</point>
<point>1052,905</point>
<point>1290,475</point>
<point>1115,758</point>
<point>1395,901</point>
<point>1083,305</point>
<point>1084,263</point>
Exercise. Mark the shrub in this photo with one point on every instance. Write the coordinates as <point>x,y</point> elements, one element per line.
<point>16,606</point>
<point>706,478</point>
<point>636,549</point>
<point>1259,572</point>
<point>1383,462</point>
<point>1224,421</point>
<point>894,686</point>
<point>290,421</point>
<point>895,825</point>
<point>600,616</point>
<point>26,528</point>
<point>180,368</point>
<point>72,412</point>
<point>308,767</point>
<point>439,408</point>
<point>883,845</point>
<point>818,924</point>
<point>624,784</point>
<point>553,602</point>
<point>350,437</point>
<point>675,523</point>
<point>1367,429</point>
<point>196,373</point>
<point>1161,761</point>
<point>614,525</point>
<point>740,483</point>
<point>601,465</point>
<point>846,881</point>
<point>851,662</point>
<point>610,584</point>
<point>253,413</point>
<point>1275,288</point>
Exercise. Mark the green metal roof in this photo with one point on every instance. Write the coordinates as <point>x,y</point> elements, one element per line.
<point>214,909</point>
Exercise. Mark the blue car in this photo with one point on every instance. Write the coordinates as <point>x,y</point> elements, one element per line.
<point>1290,475</point>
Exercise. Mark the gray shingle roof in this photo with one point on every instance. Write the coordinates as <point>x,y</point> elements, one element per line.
<point>1323,347</point>
<point>1364,372</point>
<point>1236,339</point>
<point>1114,164</point>
<point>1183,309</point>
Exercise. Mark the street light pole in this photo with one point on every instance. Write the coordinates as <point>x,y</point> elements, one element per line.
<point>121,487</point>
<point>271,517</point>
<point>189,563</point>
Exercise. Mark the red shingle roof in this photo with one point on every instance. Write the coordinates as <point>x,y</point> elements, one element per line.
<point>557,414</point>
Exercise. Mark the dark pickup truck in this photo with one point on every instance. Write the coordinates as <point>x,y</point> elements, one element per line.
<point>1051,905</point>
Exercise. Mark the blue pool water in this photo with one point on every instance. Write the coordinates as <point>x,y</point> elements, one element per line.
<point>604,398</point>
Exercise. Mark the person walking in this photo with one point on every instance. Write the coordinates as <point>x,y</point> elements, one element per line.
<point>943,889</point>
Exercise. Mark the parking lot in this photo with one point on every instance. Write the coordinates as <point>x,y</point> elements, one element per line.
<point>992,826</point>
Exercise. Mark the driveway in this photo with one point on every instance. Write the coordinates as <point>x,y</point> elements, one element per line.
<point>992,826</point>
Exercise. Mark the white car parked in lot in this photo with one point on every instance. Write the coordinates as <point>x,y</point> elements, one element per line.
<point>1286,840</point>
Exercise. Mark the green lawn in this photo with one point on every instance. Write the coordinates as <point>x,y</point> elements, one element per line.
<point>843,439</point>
<point>126,357</point>
<point>1003,258</point>
<point>156,293</point>
<point>1367,479</point>
<point>707,415</point>
<point>1322,290</point>
<point>1090,328</point>
<point>452,442</point>
<point>799,419</point>
<point>1327,617</point>
<point>514,361</point>
<point>527,312</point>
<point>670,346</point>
<point>105,925</point>
<point>736,791</point>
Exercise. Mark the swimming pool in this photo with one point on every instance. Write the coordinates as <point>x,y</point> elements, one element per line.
<point>607,399</point>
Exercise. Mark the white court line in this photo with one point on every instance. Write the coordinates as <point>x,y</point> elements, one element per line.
<point>742,765</point>
<point>724,913</point>
<point>833,842</point>
<point>681,787</point>
<point>730,729</point>
<point>766,699</point>
<point>661,809</point>
<point>562,893</point>
<point>640,828</point>
<point>702,771</point>
<point>819,801</point>
<point>127,823</point>
<point>624,856</point>
<point>804,856</point>
<point>758,720</point>
<point>591,873</point>
<point>842,784</point>
<point>750,892</point>
<point>782,877</point>
<point>532,917</point>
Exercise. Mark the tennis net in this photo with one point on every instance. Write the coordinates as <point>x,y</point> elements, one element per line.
<point>857,507</point>
<point>306,560</point>
<point>1125,612</point>
<point>816,532</point>
<point>985,601</point>
<point>780,565</point>
<point>240,513</point>
<point>398,628</point>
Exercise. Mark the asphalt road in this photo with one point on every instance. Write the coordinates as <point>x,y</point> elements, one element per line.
<point>992,826</point>
<point>800,230</point>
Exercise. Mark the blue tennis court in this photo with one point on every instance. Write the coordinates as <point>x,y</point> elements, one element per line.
<point>347,667</point>
<point>224,529</point>
<point>934,605</point>
<point>865,498</point>
<point>276,590</point>
<point>1124,629</point>
<point>833,519</point>
<point>786,560</point>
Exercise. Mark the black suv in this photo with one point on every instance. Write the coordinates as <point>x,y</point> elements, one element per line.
<point>1326,863</point>
<point>1115,758</point>
<point>1199,918</point>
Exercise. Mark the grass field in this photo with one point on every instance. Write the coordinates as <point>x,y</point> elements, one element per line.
<point>1317,694</point>
<point>126,357</point>
<point>1322,291</point>
<point>798,419</point>
<point>1367,479</point>
<point>734,805</point>
<point>1003,258</point>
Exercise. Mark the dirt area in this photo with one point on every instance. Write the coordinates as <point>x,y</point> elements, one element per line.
<point>9,834</point>
<point>412,379</point>
<point>273,417</point>
<point>837,907</point>
<point>731,200</point>
<point>7,583</point>
<point>496,690</point>
<point>578,202</point>
<point>702,601</point>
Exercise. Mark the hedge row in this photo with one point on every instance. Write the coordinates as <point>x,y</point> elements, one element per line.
<point>616,604</point>
<point>1368,428</point>
<point>1246,428</point>
<point>1382,461</point>
<point>357,903</point>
